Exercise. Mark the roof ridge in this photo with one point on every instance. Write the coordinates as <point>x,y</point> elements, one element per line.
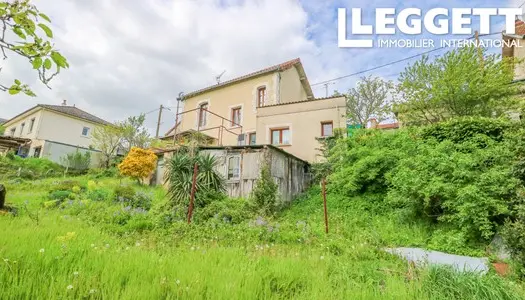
<point>285,65</point>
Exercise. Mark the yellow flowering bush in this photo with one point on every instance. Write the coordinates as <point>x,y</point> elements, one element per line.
<point>138,164</point>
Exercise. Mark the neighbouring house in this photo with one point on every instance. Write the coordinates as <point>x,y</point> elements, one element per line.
<point>54,131</point>
<point>241,167</point>
<point>273,106</point>
<point>374,124</point>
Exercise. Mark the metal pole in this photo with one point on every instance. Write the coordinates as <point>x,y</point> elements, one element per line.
<point>158,122</point>
<point>193,189</point>
<point>179,98</point>
<point>325,209</point>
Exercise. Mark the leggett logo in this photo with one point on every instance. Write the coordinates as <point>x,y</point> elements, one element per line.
<point>411,21</point>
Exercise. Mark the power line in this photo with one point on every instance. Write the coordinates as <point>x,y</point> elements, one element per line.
<point>521,5</point>
<point>392,63</point>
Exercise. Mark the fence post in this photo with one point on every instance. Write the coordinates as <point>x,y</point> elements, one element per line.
<point>193,188</point>
<point>325,208</point>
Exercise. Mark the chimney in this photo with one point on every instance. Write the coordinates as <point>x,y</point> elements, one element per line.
<point>64,103</point>
<point>373,123</point>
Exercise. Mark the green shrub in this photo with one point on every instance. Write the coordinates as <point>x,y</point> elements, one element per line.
<point>141,200</point>
<point>513,232</point>
<point>103,173</point>
<point>460,184</point>
<point>98,195</point>
<point>180,178</point>
<point>464,129</point>
<point>77,161</point>
<point>233,211</point>
<point>264,196</point>
<point>123,193</point>
<point>60,195</point>
<point>66,185</point>
<point>363,160</point>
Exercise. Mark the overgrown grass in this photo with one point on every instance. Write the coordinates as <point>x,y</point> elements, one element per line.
<point>75,253</point>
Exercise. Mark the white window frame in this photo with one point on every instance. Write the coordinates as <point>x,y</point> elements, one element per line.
<point>87,132</point>
<point>230,108</point>
<point>238,177</point>
<point>197,118</point>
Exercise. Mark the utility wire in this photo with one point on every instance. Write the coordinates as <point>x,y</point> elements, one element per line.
<point>393,62</point>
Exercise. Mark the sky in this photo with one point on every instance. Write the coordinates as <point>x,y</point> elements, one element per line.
<point>130,56</point>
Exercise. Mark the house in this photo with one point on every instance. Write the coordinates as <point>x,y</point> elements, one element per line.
<point>273,106</point>
<point>241,167</point>
<point>54,131</point>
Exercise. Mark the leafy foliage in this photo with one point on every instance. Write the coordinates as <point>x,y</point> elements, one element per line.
<point>264,196</point>
<point>107,139</point>
<point>369,99</point>
<point>134,133</point>
<point>457,183</point>
<point>180,177</point>
<point>31,38</point>
<point>13,166</point>
<point>363,160</point>
<point>454,85</point>
<point>138,164</point>
<point>463,175</point>
<point>77,160</point>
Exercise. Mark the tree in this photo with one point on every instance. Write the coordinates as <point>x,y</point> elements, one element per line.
<point>180,178</point>
<point>22,26</point>
<point>463,82</point>
<point>134,134</point>
<point>2,130</point>
<point>138,164</point>
<point>264,194</point>
<point>368,99</point>
<point>108,139</point>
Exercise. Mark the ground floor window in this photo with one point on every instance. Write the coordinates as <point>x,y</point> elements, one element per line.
<point>37,152</point>
<point>234,167</point>
<point>280,136</point>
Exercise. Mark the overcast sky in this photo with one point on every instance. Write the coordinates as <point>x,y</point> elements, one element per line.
<point>129,56</point>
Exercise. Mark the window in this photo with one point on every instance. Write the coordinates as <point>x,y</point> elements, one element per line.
<point>252,138</point>
<point>261,96</point>
<point>280,136</point>
<point>85,131</point>
<point>234,169</point>
<point>202,114</point>
<point>22,128</point>
<point>13,130</point>
<point>36,154</point>
<point>327,128</point>
<point>31,125</point>
<point>236,116</point>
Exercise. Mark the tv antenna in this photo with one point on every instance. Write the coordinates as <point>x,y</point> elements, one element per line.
<point>218,78</point>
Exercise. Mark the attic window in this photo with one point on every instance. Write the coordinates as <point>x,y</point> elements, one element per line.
<point>261,96</point>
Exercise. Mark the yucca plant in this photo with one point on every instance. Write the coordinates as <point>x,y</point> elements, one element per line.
<point>179,176</point>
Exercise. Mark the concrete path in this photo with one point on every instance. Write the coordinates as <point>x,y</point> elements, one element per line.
<point>427,257</point>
